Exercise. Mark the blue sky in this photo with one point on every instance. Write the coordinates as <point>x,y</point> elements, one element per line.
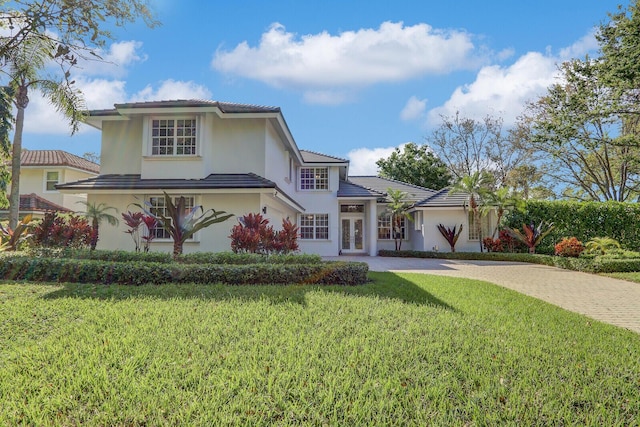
<point>353,79</point>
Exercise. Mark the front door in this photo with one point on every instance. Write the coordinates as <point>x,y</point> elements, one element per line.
<point>352,234</point>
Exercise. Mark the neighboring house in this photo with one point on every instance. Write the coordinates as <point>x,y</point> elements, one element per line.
<point>243,159</point>
<point>41,171</point>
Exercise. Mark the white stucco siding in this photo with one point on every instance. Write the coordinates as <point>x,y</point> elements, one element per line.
<point>278,167</point>
<point>236,146</point>
<point>121,151</point>
<point>449,218</point>
<point>211,239</point>
<point>33,180</point>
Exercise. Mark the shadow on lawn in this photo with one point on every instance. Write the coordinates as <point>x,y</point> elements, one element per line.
<point>383,285</point>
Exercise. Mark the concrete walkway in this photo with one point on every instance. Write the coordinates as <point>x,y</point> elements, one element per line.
<point>603,298</point>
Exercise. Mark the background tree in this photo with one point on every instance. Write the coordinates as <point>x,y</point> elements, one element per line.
<point>586,136</point>
<point>415,165</point>
<point>96,214</point>
<point>468,146</point>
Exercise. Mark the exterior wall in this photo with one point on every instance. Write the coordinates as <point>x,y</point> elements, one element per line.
<point>32,180</point>
<point>277,162</point>
<point>121,148</point>
<point>235,146</point>
<point>449,217</point>
<point>212,239</point>
<point>407,243</point>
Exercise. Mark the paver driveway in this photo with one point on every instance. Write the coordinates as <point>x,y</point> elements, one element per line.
<point>603,298</point>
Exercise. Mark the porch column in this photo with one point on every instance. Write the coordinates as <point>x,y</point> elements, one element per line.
<point>373,228</point>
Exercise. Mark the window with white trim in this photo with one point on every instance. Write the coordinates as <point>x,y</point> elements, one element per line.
<point>159,207</point>
<point>51,179</point>
<point>314,178</point>
<point>385,227</point>
<point>314,226</point>
<point>474,228</point>
<point>174,137</point>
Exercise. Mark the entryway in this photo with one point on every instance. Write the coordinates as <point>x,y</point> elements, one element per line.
<point>352,239</point>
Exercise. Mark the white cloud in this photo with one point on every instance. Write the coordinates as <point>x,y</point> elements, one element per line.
<point>114,61</point>
<point>501,91</point>
<point>504,90</point>
<point>172,89</point>
<point>363,160</point>
<point>391,53</point>
<point>414,109</point>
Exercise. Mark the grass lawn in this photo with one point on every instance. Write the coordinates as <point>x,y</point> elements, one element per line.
<point>406,349</point>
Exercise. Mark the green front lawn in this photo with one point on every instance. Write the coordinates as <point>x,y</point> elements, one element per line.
<point>405,349</point>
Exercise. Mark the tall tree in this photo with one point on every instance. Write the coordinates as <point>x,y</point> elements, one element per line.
<point>468,146</point>
<point>587,134</point>
<point>26,67</point>
<point>76,28</point>
<point>415,165</point>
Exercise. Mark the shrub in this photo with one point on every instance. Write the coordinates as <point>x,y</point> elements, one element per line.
<point>492,245</point>
<point>602,245</point>
<point>63,231</point>
<point>254,235</point>
<point>569,247</point>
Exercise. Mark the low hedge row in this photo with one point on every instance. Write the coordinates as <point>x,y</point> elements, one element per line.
<point>228,258</point>
<point>597,264</point>
<point>139,273</point>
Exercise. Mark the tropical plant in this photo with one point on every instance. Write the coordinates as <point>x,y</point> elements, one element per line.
<point>398,208</point>
<point>450,235</point>
<point>11,238</point>
<point>25,71</point>
<point>493,245</point>
<point>253,234</point>
<point>476,187</point>
<point>96,213</point>
<point>62,231</point>
<point>182,223</point>
<point>531,235</point>
<point>569,247</point>
<point>502,201</point>
<point>135,221</point>
<point>601,245</point>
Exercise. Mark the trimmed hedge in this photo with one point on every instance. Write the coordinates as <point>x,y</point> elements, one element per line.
<point>139,273</point>
<point>584,220</point>
<point>167,258</point>
<point>592,264</point>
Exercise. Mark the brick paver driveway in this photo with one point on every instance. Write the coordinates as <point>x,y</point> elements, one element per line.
<point>603,298</point>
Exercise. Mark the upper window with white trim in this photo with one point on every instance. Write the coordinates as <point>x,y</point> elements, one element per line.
<point>174,136</point>
<point>314,178</point>
<point>51,179</point>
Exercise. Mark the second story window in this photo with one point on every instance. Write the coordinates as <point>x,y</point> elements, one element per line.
<point>173,137</point>
<point>51,179</point>
<point>314,178</point>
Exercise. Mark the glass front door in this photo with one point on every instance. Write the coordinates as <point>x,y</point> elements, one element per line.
<point>352,234</point>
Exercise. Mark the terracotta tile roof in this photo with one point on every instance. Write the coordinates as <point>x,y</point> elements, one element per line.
<point>56,158</point>
<point>34,203</point>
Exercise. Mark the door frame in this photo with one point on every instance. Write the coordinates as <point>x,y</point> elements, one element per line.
<point>352,217</point>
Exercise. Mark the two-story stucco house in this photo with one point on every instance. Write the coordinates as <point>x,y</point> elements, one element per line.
<point>243,159</point>
<point>41,171</point>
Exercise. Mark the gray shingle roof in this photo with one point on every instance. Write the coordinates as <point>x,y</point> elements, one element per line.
<point>135,182</point>
<point>225,107</point>
<point>380,185</point>
<point>56,158</point>
<point>313,157</point>
<point>443,199</point>
<point>349,189</point>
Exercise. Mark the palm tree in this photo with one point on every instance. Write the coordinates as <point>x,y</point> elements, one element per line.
<point>96,214</point>
<point>24,68</point>
<point>476,187</point>
<point>398,208</point>
<point>502,201</point>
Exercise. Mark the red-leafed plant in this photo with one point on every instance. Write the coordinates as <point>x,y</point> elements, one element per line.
<point>135,222</point>
<point>253,234</point>
<point>531,235</point>
<point>492,245</point>
<point>450,235</point>
<point>68,231</point>
<point>569,247</point>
